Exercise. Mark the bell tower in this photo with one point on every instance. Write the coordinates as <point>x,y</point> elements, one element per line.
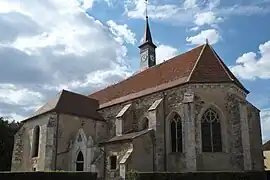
<point>147,48</point>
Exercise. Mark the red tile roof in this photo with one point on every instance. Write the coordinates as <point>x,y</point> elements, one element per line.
<point>198,65</point>
<point>67,102</point>
<point>266,146</point>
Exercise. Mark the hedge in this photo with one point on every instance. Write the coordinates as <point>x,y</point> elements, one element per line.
<point>48,175</point>
<point>199,176</point>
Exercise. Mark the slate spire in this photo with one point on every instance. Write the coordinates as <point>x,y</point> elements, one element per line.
<point>147,33</point>
<point>147,48</point>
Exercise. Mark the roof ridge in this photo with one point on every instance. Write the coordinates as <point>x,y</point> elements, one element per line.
<point>75,93</point>
<point>196,63</point>
<point>60,96</point>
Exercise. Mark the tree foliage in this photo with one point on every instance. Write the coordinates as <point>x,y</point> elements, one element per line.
<point>7,131</point>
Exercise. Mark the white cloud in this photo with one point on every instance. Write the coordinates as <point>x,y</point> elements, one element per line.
<point>11,95</point>
<point>206,18</point>
<point>243,10</point>
<point>95,80</point>
<point>189,12</point>
<point>12,116</point>
<point>122,32</point>
<point>136,9</point>
<point>165,52</point>
<point>87,3</point>
<point>66,49</point>
<point>190,4</point>
<point>211,34</point>
<point>196,28</point>
<point>251,66</point>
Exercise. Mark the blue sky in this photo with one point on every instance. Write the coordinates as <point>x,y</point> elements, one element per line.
<point>84,45</point>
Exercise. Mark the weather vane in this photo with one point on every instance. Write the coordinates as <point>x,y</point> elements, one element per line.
<point>146,3</point>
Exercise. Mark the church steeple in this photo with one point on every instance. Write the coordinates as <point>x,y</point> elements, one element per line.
<point>147,33</point>
<point>147,48</point>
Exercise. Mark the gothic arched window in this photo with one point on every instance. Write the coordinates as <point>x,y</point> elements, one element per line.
<point>176,134</point>
<point>35,144</point>
<point>211,131</point>
<point>79,162</point>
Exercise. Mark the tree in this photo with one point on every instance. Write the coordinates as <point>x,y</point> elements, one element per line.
<point>7,131</point>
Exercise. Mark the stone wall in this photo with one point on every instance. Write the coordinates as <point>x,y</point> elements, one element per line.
<point>22,159</point>
<point>236,141</point>
<point>223,97</point>
<point>115,149</point>
<point>256,138</point>
<point>68,128</point>
<point>142,156</point>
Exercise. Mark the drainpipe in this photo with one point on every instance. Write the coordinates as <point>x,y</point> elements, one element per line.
<point>56,140</point>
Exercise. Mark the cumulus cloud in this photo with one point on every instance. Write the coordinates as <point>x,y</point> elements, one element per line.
<point>50,45</point>
<point>253,65</point>
<point>193,12</point>
<point>165,52</point>
<point>188,4</point>
<point>122,32</point>
<point>136,9</point>
<point>212,35</point>
<point>206,18</point>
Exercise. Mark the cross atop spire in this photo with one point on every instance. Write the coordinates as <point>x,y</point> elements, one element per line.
<point>146,3</point>
<point>147,33</point>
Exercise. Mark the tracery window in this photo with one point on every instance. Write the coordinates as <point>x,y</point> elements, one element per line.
<point>211,131</point>
<point>35,144</point>
<point>80,162</point>
<point>176,134</point>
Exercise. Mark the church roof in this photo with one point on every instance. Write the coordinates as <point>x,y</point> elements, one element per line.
<point>67,102</point>
<point>126,137</point>
<point>199,65</point>
<point>266,146</point>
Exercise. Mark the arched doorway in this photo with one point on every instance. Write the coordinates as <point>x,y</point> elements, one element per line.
<point>80,162</point>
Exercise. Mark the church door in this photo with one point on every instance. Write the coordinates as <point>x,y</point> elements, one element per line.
<point>80,162</point>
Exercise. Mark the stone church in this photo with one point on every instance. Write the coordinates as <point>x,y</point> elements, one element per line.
<point>186,114</point>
